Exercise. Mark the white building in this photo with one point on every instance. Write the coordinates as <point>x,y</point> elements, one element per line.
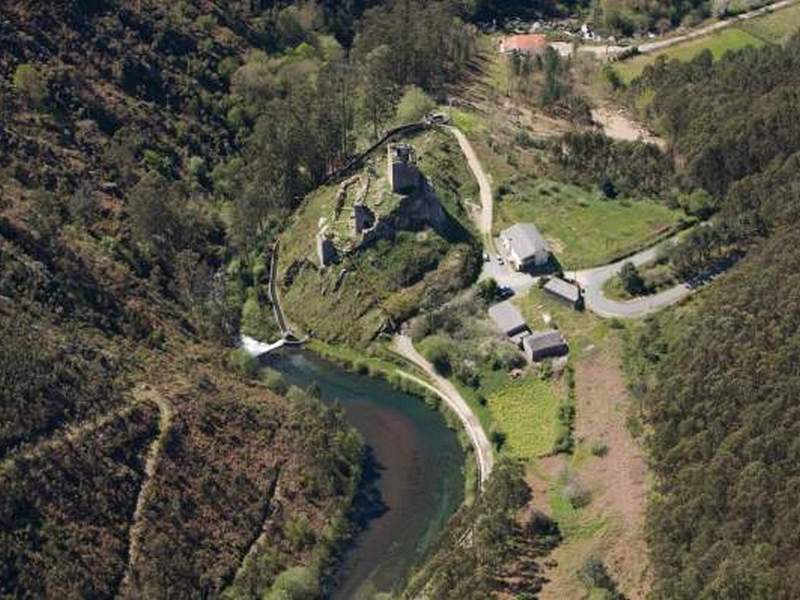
<point>525,246</point>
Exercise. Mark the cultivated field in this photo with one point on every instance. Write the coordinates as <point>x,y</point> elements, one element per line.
<point>718,43</point>
<point>777,27</point>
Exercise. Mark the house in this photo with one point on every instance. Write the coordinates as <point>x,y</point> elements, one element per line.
<point>566,291</point>
<point>530,44</point>
<point>403,174</point>
<point>508,319</point>
<point>543,344</point>
<point>525,246</point>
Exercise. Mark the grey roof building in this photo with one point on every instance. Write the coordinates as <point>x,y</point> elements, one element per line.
<point>507,318</point>
<point>524,246</point>
<point>564,290</point>
<point>542,344</point>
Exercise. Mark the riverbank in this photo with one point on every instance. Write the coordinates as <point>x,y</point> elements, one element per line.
<point>405,500</point>
<point>408,378</point>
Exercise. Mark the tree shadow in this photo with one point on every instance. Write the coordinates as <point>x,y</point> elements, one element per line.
<point>368,504</point>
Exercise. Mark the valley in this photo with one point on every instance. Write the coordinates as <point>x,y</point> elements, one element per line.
<point>398,299</point>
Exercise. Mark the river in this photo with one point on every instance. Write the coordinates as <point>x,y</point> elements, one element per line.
<point>419,469</point>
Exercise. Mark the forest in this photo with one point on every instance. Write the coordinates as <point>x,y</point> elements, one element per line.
<point>734,123</point>
<point>718,380</point>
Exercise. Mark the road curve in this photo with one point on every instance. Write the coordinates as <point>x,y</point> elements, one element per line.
<point>593,280</point>
<point>484,222</point>
<point>453,398</point>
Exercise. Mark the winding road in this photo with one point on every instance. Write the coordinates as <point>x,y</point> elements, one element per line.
<point>452,397</point>
<point>593,280</point>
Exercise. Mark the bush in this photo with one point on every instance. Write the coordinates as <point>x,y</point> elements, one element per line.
<point>414,105</point>
<point>577,495</point>
<point>299,533</point>
<point>498,438</point>
<point>197,167</point>
<point>30,85</point>
<point>631,280</point>
<point>296,583</point>
<point>488,290</point>
<point>437,350</point>
<point>594,574</point>
<point>599,448</point>
<point>243,363</point>
<point>274,381</point>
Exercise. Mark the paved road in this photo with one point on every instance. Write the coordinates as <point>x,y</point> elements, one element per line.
<point>448,392</point>
<point>610,51</point>
<point>593,280</point>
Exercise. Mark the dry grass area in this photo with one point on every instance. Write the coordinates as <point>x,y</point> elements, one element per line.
<point>609,464</point>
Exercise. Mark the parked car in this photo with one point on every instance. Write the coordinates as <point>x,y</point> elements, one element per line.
<point>505,292</point>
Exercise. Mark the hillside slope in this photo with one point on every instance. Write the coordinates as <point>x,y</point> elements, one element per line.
<point>133,460</point>
<point>718,379</point>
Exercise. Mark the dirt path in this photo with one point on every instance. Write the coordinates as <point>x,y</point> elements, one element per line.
<point>484,222</point>
<point>617,479</point>
<point>451,396</point>
<point>154,453</point>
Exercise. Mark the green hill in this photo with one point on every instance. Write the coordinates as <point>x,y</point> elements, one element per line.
<point>417,258</point>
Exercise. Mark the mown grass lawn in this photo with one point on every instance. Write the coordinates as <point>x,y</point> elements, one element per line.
<point>583,228</point>
<point>719,43</point>
<point>526,411</point>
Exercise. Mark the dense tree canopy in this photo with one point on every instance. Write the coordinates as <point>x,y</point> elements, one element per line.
<point>720,385</point>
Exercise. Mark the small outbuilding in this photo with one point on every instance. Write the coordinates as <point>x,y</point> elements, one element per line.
<point>525,246</point>
<point>565,291</point>
<point>544,344</point>
<point>508,319</point>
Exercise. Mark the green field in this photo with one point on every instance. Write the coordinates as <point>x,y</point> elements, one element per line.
<point>719,43</point>
<point>776,27</point>
<point>584,229</point>
<point>526,410</point>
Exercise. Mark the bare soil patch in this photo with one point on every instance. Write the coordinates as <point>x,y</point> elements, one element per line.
<point>619,126</point>
<point>618,479</point>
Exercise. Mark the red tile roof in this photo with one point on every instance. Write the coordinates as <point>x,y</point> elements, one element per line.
<point>523,43</point>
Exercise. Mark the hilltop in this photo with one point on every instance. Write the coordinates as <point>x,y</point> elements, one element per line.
<point>417,248</point>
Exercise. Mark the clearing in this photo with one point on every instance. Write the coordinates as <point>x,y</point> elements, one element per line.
<point>584,228</point>
<point>605,519</point>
